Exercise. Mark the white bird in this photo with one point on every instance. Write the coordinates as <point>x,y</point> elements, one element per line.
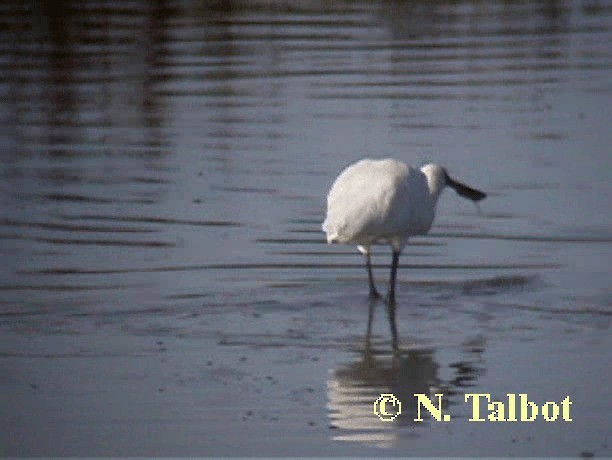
<point>374,201</point>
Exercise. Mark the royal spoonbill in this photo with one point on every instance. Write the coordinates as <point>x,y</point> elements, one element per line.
<point>374,201</point>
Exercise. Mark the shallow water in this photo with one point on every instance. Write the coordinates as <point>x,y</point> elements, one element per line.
<point>164,172</point>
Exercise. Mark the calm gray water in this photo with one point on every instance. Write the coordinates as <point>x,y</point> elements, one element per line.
<point>164,173</point>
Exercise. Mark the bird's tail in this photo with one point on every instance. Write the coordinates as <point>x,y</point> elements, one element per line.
<point>332,236</point>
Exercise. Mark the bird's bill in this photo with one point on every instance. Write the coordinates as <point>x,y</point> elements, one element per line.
<point>464,190</point>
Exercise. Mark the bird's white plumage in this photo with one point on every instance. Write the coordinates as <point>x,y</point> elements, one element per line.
<point>375,201</point>
<point>382,200</point>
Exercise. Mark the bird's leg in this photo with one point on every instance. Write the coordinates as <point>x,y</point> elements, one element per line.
<point>373,292</point>
<point>392,277</point>
<point>391,300</point>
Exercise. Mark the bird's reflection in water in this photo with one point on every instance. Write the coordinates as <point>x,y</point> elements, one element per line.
<point>353,388</point>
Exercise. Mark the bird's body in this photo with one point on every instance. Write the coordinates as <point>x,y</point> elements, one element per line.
<point>374,201</point>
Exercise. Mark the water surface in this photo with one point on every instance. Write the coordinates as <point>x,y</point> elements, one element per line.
<point>164,172</point>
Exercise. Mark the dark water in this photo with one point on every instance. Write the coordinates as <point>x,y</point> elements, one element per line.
<point>164,172</point>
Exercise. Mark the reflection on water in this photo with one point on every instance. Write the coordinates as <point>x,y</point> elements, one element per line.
<point>403,372</point>
<point>354,387</point>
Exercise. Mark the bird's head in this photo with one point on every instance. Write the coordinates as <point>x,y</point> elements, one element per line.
<point>438,178</point>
